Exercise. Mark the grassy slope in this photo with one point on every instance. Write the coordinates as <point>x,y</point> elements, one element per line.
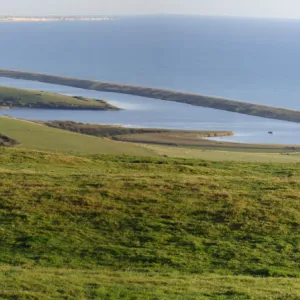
<point>193,99</point>
<point>182,218</point>
<point>35,136</point>
<point>13,97</point>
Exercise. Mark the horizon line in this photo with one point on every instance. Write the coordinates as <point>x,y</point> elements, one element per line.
<point>150,14</point>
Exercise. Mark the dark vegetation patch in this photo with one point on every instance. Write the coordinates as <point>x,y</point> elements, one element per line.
<point>6,141</point>
<point>99,130</point>
<point>138,135</point>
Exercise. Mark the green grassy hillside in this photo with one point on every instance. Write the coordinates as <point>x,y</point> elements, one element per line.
<point>13,97</point>
<point>36,136</point>
<point>110,227</point>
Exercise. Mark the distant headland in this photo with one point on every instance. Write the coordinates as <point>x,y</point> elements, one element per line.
<point>52,18</point>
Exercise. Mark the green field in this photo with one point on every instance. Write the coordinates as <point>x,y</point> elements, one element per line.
<point>39,137</point>
<point>13,97</point>
<point>125,227</point>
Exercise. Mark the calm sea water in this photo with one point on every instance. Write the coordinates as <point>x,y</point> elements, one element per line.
<point>248,60</point>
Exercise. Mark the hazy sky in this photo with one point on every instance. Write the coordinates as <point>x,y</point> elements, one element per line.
<point>250,8</point>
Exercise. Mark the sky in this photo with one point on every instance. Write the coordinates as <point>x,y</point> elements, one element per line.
<point>242,8</point>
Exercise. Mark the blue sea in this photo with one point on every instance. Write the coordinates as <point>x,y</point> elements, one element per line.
<point>251,60</point>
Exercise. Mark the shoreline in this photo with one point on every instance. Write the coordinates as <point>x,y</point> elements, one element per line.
<point>193,139</point>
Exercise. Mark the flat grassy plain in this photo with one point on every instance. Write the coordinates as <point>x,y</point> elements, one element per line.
<point>39,137</point>
<point>227,154</point>
<point>199,140</point>
<point>127,227</point>
<point>13,97</point>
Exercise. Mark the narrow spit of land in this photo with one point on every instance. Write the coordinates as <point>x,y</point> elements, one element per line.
<point>188,98</point>
<point>141,135</point>
<point>13,97</point>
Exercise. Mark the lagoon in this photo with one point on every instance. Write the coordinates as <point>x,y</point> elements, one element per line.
<point>153,113</point>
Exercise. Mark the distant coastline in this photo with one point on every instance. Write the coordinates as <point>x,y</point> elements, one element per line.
<point>52,19</point>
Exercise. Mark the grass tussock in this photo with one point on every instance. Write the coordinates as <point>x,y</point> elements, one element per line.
<point>6,141</point>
